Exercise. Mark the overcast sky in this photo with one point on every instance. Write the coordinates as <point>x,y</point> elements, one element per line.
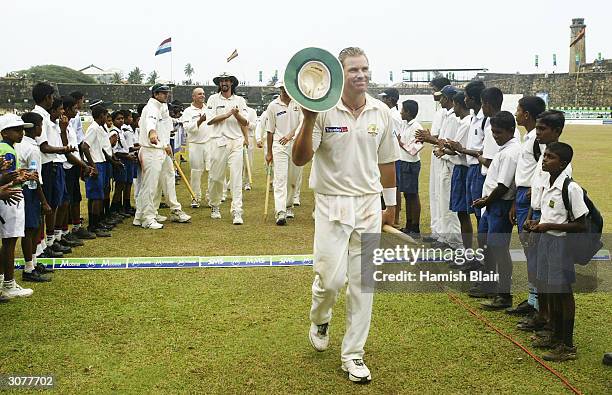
<point>503,36</point>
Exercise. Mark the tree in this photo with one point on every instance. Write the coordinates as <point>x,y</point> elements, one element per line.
<point>135,76</point>
<point>117,78</point>
<point>152,77</point>
<point>189,71</point>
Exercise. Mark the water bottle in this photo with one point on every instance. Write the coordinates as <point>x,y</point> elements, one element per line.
<point>31,183</point>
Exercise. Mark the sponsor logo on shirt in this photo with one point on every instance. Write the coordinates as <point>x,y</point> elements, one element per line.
<point>372,129</point>
<point>336,129</point>
<point>281,113</point>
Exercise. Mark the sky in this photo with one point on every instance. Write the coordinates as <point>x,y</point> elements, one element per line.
<point>502,36</point>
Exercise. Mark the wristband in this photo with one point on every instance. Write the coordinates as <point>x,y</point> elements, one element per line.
<point>390,196</point>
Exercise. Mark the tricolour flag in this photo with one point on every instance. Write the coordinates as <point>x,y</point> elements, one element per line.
<point>233,55</point>
<point>165,46</point>
<point>578,37</point>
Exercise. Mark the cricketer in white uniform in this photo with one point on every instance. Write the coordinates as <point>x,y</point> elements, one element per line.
<point>228,139</point>
<point>284,117</point>
<point>198,138</point>
<point>155,157</point>
<point>347,203</point>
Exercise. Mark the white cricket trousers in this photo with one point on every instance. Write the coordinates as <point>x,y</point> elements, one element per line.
<point>339,223</point>
<point>449,228</point>
<point>434,185</point>
<point>157,174</point>
<point>229,155</point>
<point>199,160</point>
<point>285,176</point>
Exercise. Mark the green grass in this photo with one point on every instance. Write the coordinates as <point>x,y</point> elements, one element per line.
<point>244,330</point>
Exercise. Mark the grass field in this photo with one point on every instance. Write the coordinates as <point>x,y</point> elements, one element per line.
<point>245,330</point>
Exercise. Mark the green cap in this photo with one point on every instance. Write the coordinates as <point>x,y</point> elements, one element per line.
<point>314,78</point>
<point>160,88</point>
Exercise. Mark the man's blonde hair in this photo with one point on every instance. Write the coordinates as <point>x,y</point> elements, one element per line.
<point>350,52</point>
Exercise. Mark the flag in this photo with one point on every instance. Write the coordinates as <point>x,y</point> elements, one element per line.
<point>391,76</point>
<point>536,60</point>
<point>165,46</point>
<point>578,37</point>
<point>260,76</point>
<point>554,59</point>
<point>233,55</point>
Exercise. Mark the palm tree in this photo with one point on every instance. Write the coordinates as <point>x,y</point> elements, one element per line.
<point>135,76</point>
<point>117,78</point>
<point>152,77</point>
<point>189,71</point>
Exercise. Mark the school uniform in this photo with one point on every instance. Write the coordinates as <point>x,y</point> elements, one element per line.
<point>198,140</point>
<point>72,172</point>
<point>12,214</point>
<point>94,138</point>
<point>458,193</point>
<point>489,147</point>
<point>495,222</point>
<point>347,204</point>
<point>448,222</point>
<point>475,178</point>
<point>283,119</point>
<point>121,174</point>
<point>129,139</point>
<point>28,151</point>
<point>409,163</point>
<point>555,268</point>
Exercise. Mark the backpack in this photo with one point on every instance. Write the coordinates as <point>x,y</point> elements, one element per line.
<point>583,246</point>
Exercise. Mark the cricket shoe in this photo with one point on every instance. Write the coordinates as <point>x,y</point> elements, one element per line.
<point>290,213</point>
<point>15,290</point>
<point>296,202</point>
<point>281,219</point>
<point>195,203</point>
<point>357,371</point>
<point>160,218</point>
<point>215,213</point>
<point>247,186</point>
<point>179,216</point>
<point>153,225</point>
<point>237,220</point>
<point>319,336</point>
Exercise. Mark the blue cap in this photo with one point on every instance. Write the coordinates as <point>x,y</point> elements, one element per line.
<point>449,91</point>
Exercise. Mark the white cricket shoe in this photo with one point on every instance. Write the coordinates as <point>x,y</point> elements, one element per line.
<point>296,202</point>
<point>160,218</point>
<point>195,203</point>
<point>179,216</point>
<point>237,218</point>
<point>215,213</point>
<point>281,218</point>
<point>357,371</point>
<point>16,291</point>
<point>137,222</point>
<point>290,213</point>
<point>319,336</point>
<point>247,186</point>
<point>153,225</point>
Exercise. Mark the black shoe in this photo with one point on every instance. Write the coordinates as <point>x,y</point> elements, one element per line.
<point>42,269</point>
<point>472,266</point>
<point>429,239</point>
<point>106,224</point>
<point>522,308</point>
<point>124,214</point>
<point>477,291</point>
<point>35,277</point>
<point>102,233</point>
<point>440,245</point>
<point>57,247</point>
<point>49,253</point>
<point>532,324</point>
<point>163,205</point>
<point>83,234</point>
<point>498,303</point>
<point>66,242</point>
<point>607,359</point>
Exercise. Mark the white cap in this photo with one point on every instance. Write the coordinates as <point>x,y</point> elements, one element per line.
<point>12,121</point>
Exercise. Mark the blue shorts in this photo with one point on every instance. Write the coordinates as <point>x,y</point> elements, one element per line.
<point>458,193</point>
<point>108,175</point>
<point>33,210</point>
<point>73,184</point>
<point>94,186</point>
<point>495,223</point>
<point>54,184</point>
<point>409,177</point>
<point>473,186</point>
<point>397,173</point>
<point>522,204</point>
<point>555,268</point>
<point>124,175</point>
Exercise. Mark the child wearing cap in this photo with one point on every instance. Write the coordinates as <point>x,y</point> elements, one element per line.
<point>12,213</point>
<point>555,269</point>
<point>28,153</point>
